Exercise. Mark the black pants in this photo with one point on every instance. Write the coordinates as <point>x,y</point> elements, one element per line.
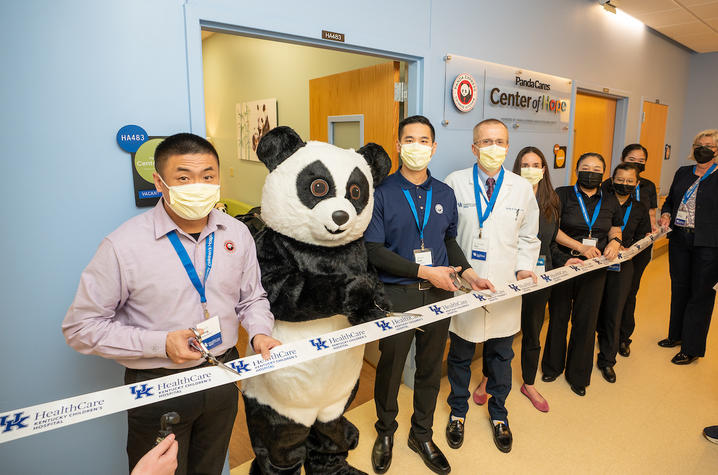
<point>430,346</point>
<point>497,356</point>
<point>577,300</point>
<point>533,312</point>
<point>615,293</point>
<point>628,319</point>
<point>694,272</point>
<point>206,420</point>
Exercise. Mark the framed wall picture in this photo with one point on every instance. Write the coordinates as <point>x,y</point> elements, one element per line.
<point>254,119</point>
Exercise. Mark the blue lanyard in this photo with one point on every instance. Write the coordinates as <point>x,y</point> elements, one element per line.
<point>638,191</point>
<point>427,212</point>
<point>479,193</point>
<point>585,213</point>
<point>626,215</point>
<point>694,187</point>
<point>189,267</point>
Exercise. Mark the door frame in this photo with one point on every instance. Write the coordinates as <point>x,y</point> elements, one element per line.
<point>619,127</point>
<point>195,22</point>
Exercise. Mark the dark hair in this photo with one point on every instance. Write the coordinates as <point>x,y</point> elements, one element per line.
<point>548,201</point>
<point>628,166</point>
<point>416,119</point>
<point>182,144</point>
<point>590,154</point>
<point>630,148</point>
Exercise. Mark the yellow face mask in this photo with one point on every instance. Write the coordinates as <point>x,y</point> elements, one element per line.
<point>492,157</point>
<point>193,201</point>
<point>533,175</point>
<point>415,156</point>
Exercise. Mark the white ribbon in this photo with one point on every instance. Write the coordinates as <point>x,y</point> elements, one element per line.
<point>61,413</point>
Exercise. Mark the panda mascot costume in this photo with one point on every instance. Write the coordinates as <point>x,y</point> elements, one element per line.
<point>316,203</point>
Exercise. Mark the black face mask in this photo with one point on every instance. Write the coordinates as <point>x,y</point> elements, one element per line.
<point>623,189</point>
<point>589,180</point>
<point>703,154</point>
<point>641,166</point>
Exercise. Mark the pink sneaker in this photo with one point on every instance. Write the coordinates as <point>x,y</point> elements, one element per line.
<point>538,404</point>
<point>480,398</point>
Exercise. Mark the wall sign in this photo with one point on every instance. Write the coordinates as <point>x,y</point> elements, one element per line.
<point>332,36</point>
<point>464,92</point>
<point>141,147</point>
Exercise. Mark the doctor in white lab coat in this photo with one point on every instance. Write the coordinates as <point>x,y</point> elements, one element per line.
<point>502,246</point>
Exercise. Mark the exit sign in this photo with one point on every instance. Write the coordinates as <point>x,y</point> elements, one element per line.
<point>332,36</point>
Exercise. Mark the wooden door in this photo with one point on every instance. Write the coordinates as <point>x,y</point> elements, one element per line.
<point>593,130</point>
<point>653,137</point>
<point>367,91</point>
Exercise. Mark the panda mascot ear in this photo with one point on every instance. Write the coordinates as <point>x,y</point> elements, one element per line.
<point>378,161</point>
<point>278,144</point>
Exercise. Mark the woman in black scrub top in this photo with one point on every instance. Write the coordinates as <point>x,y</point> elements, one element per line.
<point>645,192</point>
<point>531,164</point>
<point>635,225</point>
<point>594,219</point>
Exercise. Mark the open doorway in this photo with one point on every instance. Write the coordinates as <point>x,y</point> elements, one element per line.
<point>252,84</point>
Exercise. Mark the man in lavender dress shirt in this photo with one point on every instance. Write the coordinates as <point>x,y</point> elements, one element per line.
<point>137,300</point>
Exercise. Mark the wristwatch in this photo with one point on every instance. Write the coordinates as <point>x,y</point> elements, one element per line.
<point>615,238</point>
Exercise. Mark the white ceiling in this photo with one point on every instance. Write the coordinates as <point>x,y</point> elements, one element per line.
<point>693,23</point>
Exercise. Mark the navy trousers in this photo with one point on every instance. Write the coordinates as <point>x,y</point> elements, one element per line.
<point>694,272</point>
<point>497,356</point>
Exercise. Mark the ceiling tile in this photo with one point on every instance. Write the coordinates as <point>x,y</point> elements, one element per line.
<point>708,10</point>
<point>693,3</point>
<point>692,28</point>
<point>666,17</point>
<point>636,7</point>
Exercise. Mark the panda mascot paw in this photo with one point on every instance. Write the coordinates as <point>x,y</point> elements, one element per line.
<point>317,202</point>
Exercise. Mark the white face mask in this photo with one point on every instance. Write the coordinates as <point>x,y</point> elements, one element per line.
<point>415,156</point>
<point>533,175</point>
<point>193,201</point>
<point>492,157</point>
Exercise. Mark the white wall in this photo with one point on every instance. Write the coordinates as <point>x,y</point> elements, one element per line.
<point>701,102</point>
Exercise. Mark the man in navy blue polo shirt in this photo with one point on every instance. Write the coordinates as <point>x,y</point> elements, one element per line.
<point>411,241</point>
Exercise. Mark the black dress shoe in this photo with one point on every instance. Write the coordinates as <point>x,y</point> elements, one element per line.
<point>682,358</point>
<point>454,433</point>
<point>430,454</point>
<point>624,349</point>
<point>608,374</point>
<point>502,436</point>
<point>547,379</point>
<point>668,343</point>
<point>580,390</point>
<point>381,453</point>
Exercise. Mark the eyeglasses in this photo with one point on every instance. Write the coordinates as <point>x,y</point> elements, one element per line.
<point>490,142</point>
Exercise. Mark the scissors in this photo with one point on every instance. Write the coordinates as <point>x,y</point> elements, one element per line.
<point>459,282</point>
<point>198,345</point>
<point>399,314</point>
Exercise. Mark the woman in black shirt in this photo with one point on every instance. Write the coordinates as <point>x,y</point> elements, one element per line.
<point>635,225</point>
<point>531,164</point>
<point>594,219</point>
<point>691,210</point>
<point>645,192</point>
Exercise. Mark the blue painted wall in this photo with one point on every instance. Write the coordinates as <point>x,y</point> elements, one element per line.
<point>701,102</point>
<point>73,72</point>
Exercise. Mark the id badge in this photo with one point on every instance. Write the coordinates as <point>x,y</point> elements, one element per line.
<point>681,217</point>
<point>478,249</point>
<point>589,242</point>
<point>614,267</point>
<point>541,265</point>
<point>212,335</point>
<point>423,257</point>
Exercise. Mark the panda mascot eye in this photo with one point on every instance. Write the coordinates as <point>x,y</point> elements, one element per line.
<point>355,192</point>
<point>319,187</point>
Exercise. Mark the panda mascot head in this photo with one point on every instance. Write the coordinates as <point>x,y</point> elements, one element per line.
<point>318,193</point>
